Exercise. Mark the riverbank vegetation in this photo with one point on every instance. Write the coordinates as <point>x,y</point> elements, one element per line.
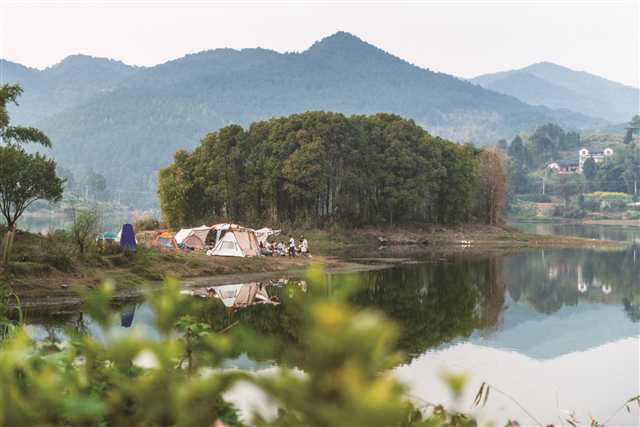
<point>607,188</point>
<point>322,169</point>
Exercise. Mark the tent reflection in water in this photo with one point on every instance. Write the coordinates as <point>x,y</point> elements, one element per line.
<point>127,313</point>
<point>242,295</point>
<point>234,240</point>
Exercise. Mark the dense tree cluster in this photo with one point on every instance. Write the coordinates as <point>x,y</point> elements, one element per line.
<point>322,168</point>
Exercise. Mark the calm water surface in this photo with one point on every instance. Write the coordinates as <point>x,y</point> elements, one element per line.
<point>558,330</point>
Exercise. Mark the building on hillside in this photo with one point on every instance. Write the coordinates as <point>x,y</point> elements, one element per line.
<point>597,156</point>
<point>564,166</point>
<point>575,166</point>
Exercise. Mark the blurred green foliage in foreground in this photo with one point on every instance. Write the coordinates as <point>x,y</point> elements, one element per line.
<point>177,380</point>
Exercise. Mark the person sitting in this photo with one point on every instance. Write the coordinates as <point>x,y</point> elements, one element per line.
<point>304,246</point>
<point>268,249</point>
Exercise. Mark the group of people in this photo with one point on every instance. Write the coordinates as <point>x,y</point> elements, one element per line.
<point>283,248</point>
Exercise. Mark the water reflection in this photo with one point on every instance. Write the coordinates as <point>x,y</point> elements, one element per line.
<point>434,302</point>
<point>530,322</point>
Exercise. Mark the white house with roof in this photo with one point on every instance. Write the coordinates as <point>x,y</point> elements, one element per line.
<point>597,156</point>
<point>576,166</point>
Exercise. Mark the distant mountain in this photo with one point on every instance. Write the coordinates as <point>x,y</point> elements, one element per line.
<point>126,122</point>
<point>559,87</point>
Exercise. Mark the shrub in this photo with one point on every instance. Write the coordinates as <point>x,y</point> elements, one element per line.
<point>84,229</point>
<point>147,223</point>
<point>591,205</point>
<point>571,212</point>
<point>615,205</point>
<point>535,198</point>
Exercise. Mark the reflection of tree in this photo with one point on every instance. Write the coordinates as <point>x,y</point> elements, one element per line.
<point>558,278</point>
<point>431,303</point>
<point>79,325</point>
<point>632,310</point>
<point>493,289</point>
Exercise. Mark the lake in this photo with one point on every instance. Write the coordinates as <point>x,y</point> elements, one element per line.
<point>557,330</point>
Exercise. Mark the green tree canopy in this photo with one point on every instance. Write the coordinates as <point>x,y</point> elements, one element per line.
<point>24,177</point>
<point>589,169</point>
<point>318,168</point>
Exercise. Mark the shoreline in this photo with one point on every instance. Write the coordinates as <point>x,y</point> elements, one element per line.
<point>373,249</point>
<point>585,221</point>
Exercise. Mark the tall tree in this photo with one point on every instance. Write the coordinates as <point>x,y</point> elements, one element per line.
<point>589,169</point>
<point>493,185</point>
<point>24,177</point>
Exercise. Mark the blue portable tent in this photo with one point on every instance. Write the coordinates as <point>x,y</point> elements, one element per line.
<point>128,237</point>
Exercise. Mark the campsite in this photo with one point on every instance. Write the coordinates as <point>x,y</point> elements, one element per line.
<point>224,239</point>
<point>314,214</point>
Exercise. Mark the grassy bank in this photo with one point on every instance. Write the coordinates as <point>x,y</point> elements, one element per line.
<point>52,265</point>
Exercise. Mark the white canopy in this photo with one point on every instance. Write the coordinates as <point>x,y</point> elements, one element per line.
<point>264,233</point>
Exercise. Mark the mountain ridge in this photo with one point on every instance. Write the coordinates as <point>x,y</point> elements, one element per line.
<point>142,115</point>
<point>582,92</point>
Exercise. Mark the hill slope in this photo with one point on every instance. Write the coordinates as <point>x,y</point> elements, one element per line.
<point>555,86</point>
<point>126,122</point>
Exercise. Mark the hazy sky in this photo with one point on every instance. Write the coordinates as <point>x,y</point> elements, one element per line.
<point>465,38</point>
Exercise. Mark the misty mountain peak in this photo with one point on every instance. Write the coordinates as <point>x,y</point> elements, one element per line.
<point>87,61</point>
<point>341,41</point>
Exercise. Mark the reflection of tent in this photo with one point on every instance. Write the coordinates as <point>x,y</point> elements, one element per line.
<point>128,237</point>
<point>126,315</point>
<point>236,241</point>
<point>264,233</point>
<point>165,240</point>
<point>243,295</point>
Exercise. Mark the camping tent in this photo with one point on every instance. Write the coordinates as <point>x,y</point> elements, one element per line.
<point>182,234</point>
<point>165,240</point>
<point>107,237</point>
<point>236,241</point>
<point>193,241</point>
<point>128,237</point>
<point>264,233</point>
<point>197,237</point>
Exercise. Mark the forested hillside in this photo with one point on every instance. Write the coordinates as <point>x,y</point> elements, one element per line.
<point>126,122</point>
<point>322,168</point>
<point>555,86</point>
